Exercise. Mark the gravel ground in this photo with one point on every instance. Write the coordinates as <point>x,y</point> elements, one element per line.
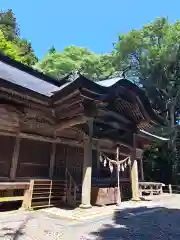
<point>161,222</point>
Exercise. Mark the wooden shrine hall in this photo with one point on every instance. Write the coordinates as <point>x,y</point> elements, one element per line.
<point>70,140</point>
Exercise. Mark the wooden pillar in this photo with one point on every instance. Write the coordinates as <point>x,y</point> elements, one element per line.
<point>87,168</point>
<point>134,172</point>
<point>118,180</point>
<point>170,188</point>
<point>15,157</point>
<point>52,161</point>
<point>98,159</point>
<point>142,171</point>
<point>26,203</point>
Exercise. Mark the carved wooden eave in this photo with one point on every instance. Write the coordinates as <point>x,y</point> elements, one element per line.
<point>89,92</point>
<point>22,96</point>
<point>111,113</point>
<point>123,93</point>
<point>118,111</point>
<point>38,122</point>
<point>9,118</point>
<point>67,123</point>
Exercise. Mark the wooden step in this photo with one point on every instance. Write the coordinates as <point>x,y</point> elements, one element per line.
<point>48,192</point>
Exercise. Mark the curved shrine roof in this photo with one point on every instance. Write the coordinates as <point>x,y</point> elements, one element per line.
<point>120,93</point>
<point>117,100</point>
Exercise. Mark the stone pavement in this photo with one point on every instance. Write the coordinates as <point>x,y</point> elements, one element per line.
<point>100,212</point>
<point>159,220</point>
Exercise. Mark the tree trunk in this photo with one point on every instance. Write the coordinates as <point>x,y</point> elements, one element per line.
<point>172,146</point>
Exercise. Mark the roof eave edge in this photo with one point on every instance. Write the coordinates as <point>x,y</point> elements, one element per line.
<point>153,135</point>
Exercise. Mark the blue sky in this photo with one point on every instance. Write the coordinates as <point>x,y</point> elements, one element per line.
<point>91,23</point>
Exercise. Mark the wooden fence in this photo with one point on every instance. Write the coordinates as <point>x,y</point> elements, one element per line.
<point>172,189</point>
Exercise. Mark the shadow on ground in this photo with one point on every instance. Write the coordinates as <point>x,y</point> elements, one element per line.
<point>156,223</point>
<point>14,233</point>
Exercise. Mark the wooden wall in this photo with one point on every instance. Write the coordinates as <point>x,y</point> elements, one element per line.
<point>6,152</point>
<point>60,162</point>
<point>74,161</point>
<point>34,159</point>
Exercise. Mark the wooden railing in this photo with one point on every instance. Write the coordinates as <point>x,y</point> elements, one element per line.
<point>155,188</point>
<point>172,189</point>
<point>72,189</point>
<point>152,188</point>
<point>45,193</point>
<point>14,191</point>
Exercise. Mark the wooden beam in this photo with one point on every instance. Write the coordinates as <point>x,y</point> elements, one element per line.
<point>24,96</point>
<point>115,142</point>
<point>67,123</point>
<point>15,157</point>
<point>13,185</point>
<point>8,134</point>
<point>52,161</point>
<point>68,105</point>
<point>60,101</point>
<point>66,141</point>
<point>86,90</point>
<point>34,164</point>
<point>109,113</point>
<point>36,137</point>
<point>113,126</point>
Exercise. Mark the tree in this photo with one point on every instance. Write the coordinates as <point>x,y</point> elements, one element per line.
<point>10,49</point>
<point>52,50</point>
<point>8,25</point>
<point>10,30</point>
<point>154,54</point>
<point>26,51</point>
<point>93,66</point>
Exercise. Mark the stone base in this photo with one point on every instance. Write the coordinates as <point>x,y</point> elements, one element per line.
<point>136,199</point>
<point>85,206</point>
<point>22,209</point>
<point>118,203</point>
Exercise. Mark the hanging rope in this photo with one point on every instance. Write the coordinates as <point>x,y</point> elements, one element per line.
<point>121,165</point>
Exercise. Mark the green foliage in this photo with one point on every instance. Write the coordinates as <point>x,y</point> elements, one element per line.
<point>93,66</point>
<point>154,54</point>
<point>10,49</point>
<point>8,25</point>
<point>52,50</point>
<point>154,43</point>
<point>158,164</point>
<point>26,52</point>
<point>10,30</point>
<point>154,50</point>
